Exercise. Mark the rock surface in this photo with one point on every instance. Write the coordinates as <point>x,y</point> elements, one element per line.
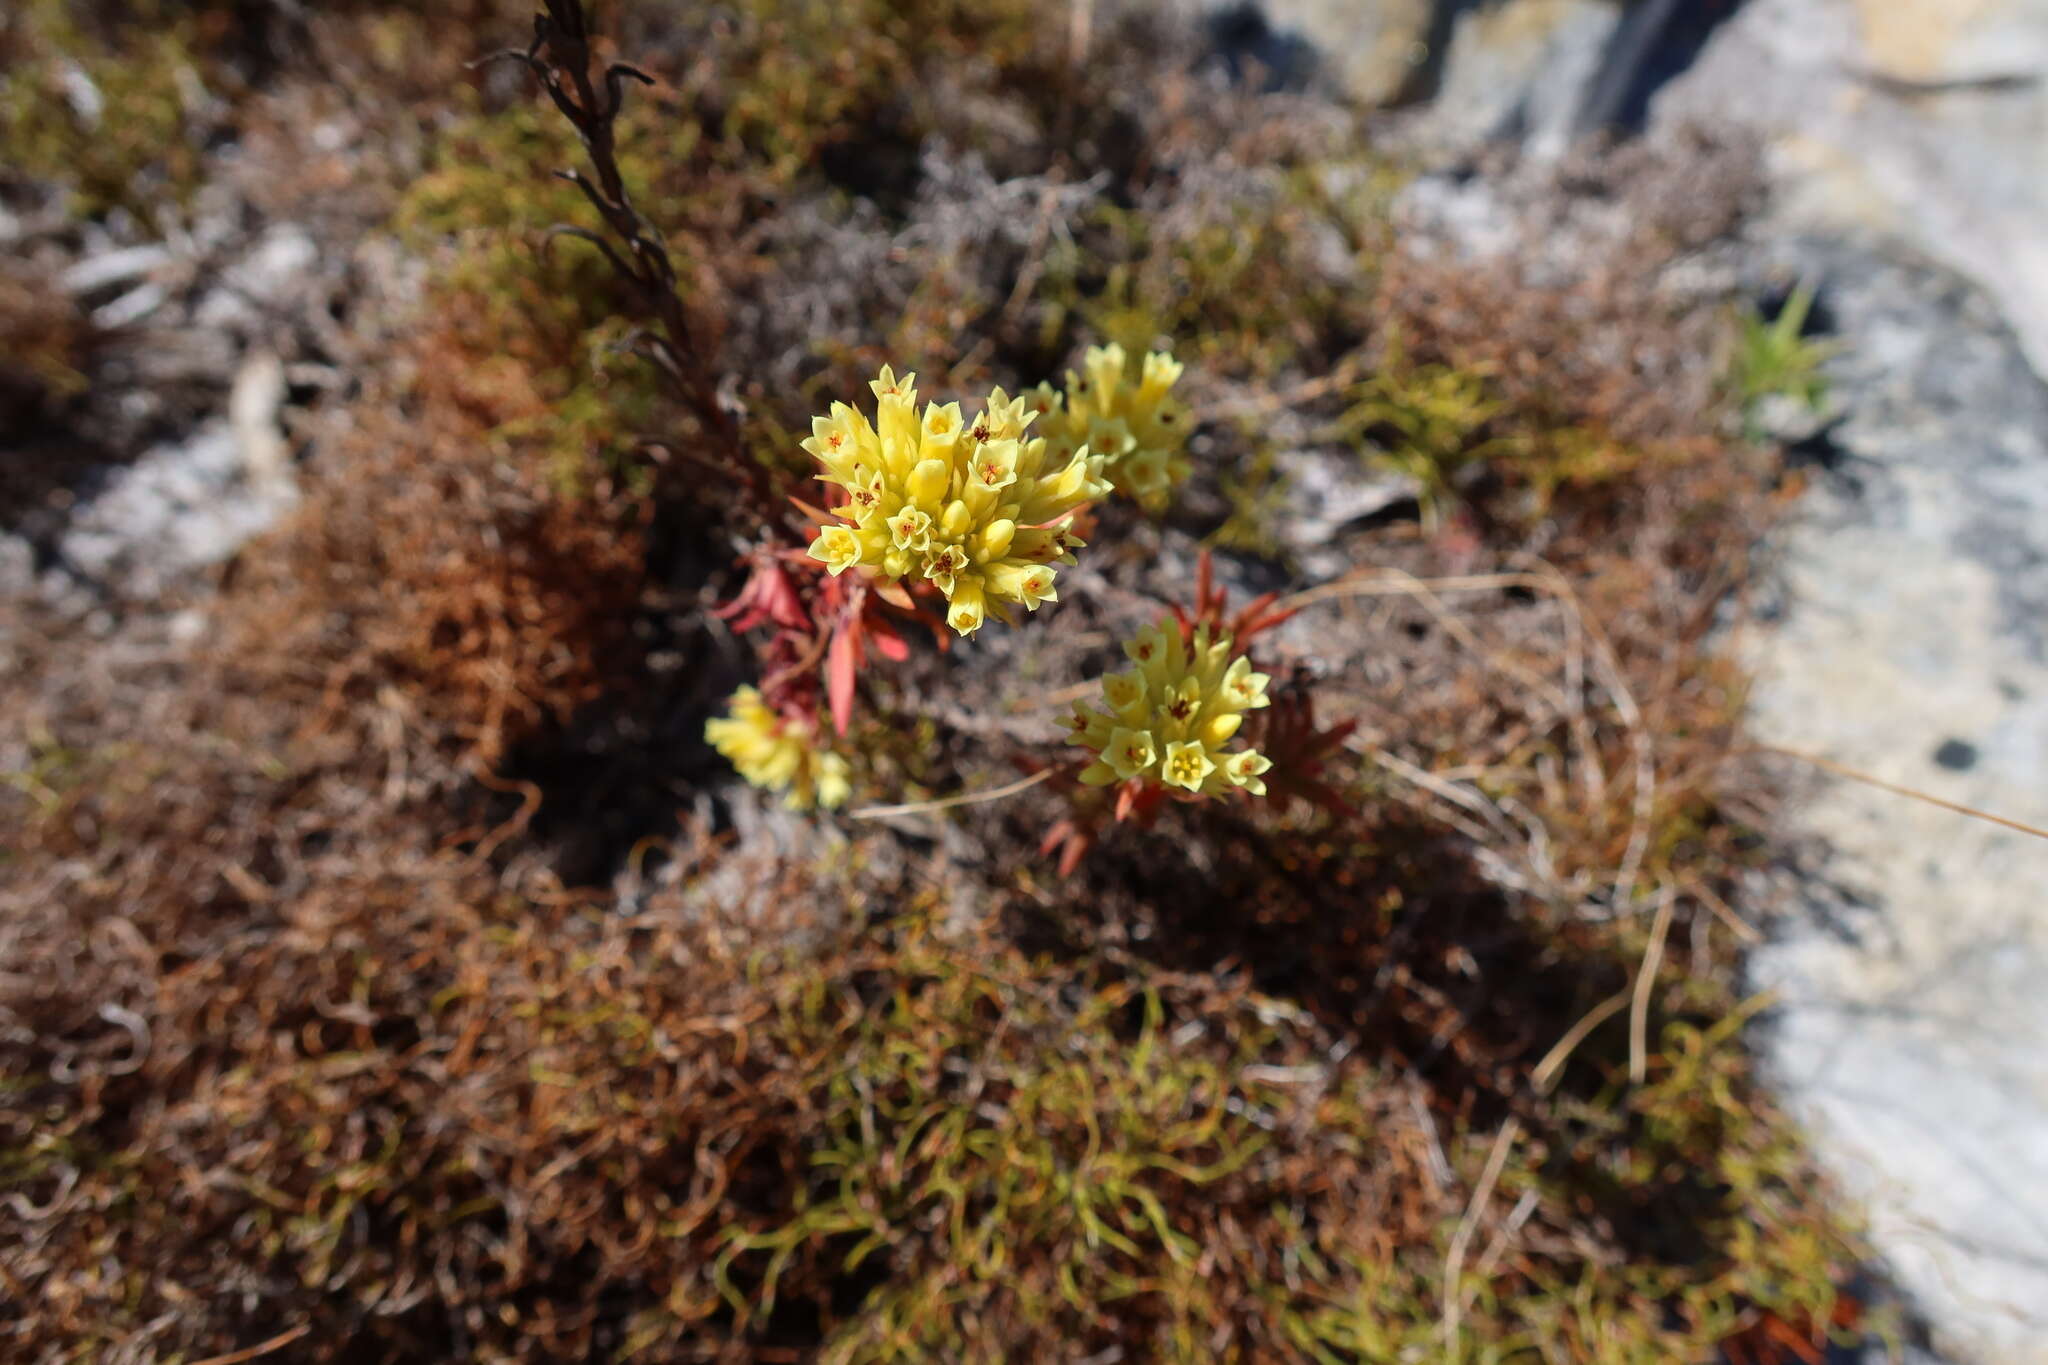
<point>185,454</point>
<point>1911,644</point>
<point>182,506</point>
<point>1522,70</point>
<point>1923,121</point>
<point>1377,51</point>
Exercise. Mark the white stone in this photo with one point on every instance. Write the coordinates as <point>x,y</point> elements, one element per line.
<point>1915,1049</point>
<point>114,267</point>
<point>180,507</point>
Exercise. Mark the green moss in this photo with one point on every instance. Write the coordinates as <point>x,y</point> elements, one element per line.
<point>545,320</point>
<point>1257,497</point>
<point>1445,427</point>
<point>1012,1154</point>
<point>1430,423</point>
<point>802,75</point>
<point>1036,1154</point>
<point>1273,279</point>
<point>143,146</point>
<point>539,324</point>
<point>1693,1158</point>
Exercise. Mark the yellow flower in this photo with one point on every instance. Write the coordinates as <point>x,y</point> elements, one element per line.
<point>1187,763</point>
<point>1130,418</point>
<point>838,547</point>
<point>1129,752</point>
<point>982,511</point>
<point>779,755</point>
<point>1244,768</point>
<point>1169,718</point>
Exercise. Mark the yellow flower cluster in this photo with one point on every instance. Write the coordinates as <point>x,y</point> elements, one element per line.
<point>1169,718</point>
<point>983,512</point>
<point>1129,417</point>
<point>771,752</point>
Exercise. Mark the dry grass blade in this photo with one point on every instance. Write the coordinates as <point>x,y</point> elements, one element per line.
<point>1552,1066</point>
<point>950,802</point>
<point>1868,780</point>
<point>1646,979</point>
<point>1497,825</point>
<point>1421,590</point>
<point>276,1343</point>
<point>1461,1240</point>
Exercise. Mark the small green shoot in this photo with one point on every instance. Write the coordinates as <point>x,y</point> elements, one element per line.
<point>1776,358</point>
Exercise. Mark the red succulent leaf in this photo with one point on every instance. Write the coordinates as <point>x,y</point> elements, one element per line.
<point>893,596</point>
<point>1260,616</point>
<point>1287,734</point>
<point>1212,603</point>
<point>815,514</point>
<point>767,596</point>
<point>1126,797</point>
<point>888,643</point>
<point>840,666</point>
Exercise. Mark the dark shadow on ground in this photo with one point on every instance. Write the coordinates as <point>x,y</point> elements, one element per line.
<point>623,764</point>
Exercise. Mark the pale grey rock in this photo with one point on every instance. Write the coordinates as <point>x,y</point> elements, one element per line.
<point>1327,492</point>
<point>1922,121</point>
<point>1374,50</point>
<point>1473,72</point>
<point>1517,70</point>
<point>115,267</point>
<point>179,508</point>
<point>198,320</point>
<point>1911,642</point>
<point>275,267</point>
<point>1954,40</point>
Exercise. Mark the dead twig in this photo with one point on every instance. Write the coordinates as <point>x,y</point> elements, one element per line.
<point>562,59</point>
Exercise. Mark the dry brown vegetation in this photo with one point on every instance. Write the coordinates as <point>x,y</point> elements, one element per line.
<point>395,976</point>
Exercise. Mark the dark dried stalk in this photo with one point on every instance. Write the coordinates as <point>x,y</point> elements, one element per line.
<point>560,57</point>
